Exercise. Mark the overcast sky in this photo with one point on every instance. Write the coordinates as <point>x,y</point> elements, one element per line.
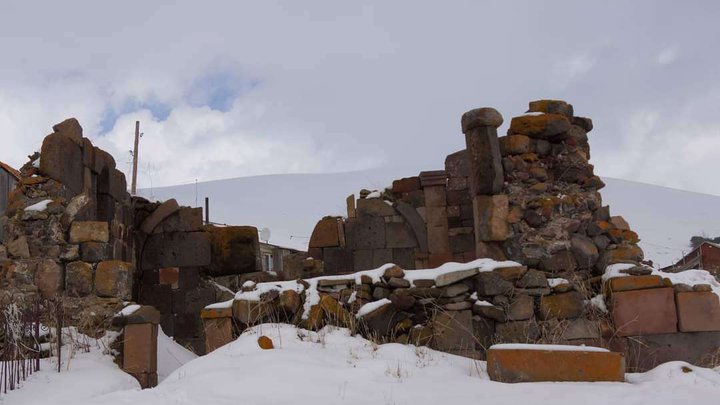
<point>230,89</point>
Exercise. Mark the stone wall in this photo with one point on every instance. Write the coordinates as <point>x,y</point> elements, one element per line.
<point>530,196</point>
<point>68,228</point>
<point>74,232</point>
<point>186,265</point>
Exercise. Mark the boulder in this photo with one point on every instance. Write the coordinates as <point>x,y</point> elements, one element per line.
<point>480,117</point>
<point>78,278</point>
<point>381,321</point>
<point>89,231</point>
<point>542,126</point>
<point>552,107</point>
<point>62,160</point>
<point>521,308</point>
<point>490,284</point>
<point>18,248</point>
<point>584,250</point>
<point>114,278</point>
<point>562,306</point>
<point>49,278</point>
<point>514,144</point>
<point>533,279</point>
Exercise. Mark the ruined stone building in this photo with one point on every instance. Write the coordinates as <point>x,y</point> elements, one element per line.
<point>530,196</point>
<point>73,231</point>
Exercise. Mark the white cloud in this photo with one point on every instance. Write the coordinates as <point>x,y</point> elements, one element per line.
<point>574,67</point>
<point>667,56</point>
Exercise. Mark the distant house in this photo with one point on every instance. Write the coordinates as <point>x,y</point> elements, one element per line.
<point>272,257</point>
<point>705,257</point>
<point>8,178</point>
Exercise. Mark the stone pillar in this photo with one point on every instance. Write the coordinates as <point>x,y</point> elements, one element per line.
<point>490,206</point>
<point>434,188</point>
<point>217,324</point>
<point>140,345</point>
<point>486,172</point>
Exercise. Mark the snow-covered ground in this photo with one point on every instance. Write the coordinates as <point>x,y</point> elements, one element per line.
<point>291,204</point>
<point>88,374</point>
<point>332,367</point>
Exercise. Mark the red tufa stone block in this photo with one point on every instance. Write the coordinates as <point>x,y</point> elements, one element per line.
<point>698,311</point>
<point>140,348</point>
<point>218,333</point>
<point>644,312</point>
<point>535,365</point>
<point>170,276</point>
<point>406,185</point>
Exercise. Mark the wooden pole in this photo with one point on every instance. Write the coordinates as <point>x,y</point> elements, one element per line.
<point>133,188</point>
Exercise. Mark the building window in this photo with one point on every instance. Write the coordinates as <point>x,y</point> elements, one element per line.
<point>268,262</point>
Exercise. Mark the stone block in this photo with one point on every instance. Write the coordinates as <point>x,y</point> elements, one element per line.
<point>453,331</point>
<point>552,107</point>
<point>186,219</point>
<point>363,259</point>
<point>514,144</point>
<point>438,259</point>
<point>170,276</point>
<point>89,231</point>
<point>144,314</point>
<point>351,210</point>
<point>114,278</point>
<point>162,212</point>
<point>435,196</point>
<point>94,252</point>
<point>103,161</point>
<point>78,279</point>
<point>325,233</point>
<point>251,312</point>
<point>517,332</point>
<point>18,248</point>
<point>381,321</point>
<point>698,312</point>
<point>536,365</point>
<point>560,261</point>
<point>70,128</point>
<point>568,305</point>
<point>188,249</point>
<point>62,160</point>
<point>404,258</point>
<point>486,171</point>
<point>581,329</point>
<point>339,260</point>
<point>437,230</point>
<point>491,218</point>
<point>544,126</point>
<point>629,283</point>
<point>374,207</point>
<point>218,333</point>
<point>644,312</point>
<point>158,295</point>
<point>365,233</point>
<point>462,243</point>
<point>457,164</point>
<point>416,222</point>
<point>433,178</point>
<point>381,257</point>
<point>399,235</point>
<point>584,250</point>
<point>49,278</point>
<point>406,185</point>
<point>490,284</point>
<point>140,348</point>
<point>647,352</point>
<point>113,184</point>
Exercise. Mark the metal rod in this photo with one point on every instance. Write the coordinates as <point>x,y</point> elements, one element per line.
<point>207,211</point>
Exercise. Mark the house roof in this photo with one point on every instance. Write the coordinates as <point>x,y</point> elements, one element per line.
<point>15,173</point>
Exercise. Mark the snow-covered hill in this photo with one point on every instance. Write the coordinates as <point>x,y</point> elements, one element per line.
<point>290,205</point>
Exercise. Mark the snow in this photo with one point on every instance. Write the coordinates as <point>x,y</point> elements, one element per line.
<point>221,305</point>
<point>170,355</point>
<point>554,282</point>
<point>374,194</point>
<point>689,277</point>
<point>598,302</point>
<point>332,367</point>
<point>483,303</point>
<point>664,218</point>
<point>128,310</point>
<point>371,306</point>
<point>553,348</point>
<point>41,206</point>
<point>534,113</point>
<point>312,296</point>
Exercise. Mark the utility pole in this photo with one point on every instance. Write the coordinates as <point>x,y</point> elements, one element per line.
<point>133,188</point>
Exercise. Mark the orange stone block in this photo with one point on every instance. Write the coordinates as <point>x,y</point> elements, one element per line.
<point>644,312</point>
<point>325,233</point>
<point>536,365</point>
<point>140,348</point>
<point>214,313</point>
<point>698,311</point>
<point>170,276</point>
<point>630,283</point>
<point>218,333</point>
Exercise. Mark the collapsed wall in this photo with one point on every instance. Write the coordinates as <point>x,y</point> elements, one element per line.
<point>530,196</point>
<point>74,233</point>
